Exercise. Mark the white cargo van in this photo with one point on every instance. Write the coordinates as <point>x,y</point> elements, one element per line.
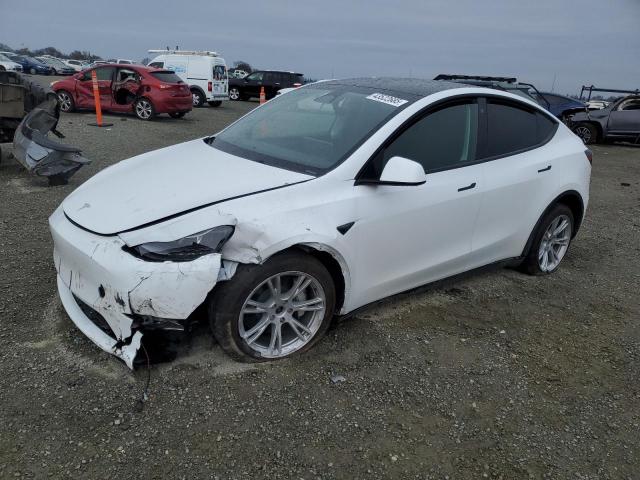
<point>205,73</point>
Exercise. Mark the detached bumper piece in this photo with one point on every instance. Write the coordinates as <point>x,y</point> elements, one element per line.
<point>41,155</point>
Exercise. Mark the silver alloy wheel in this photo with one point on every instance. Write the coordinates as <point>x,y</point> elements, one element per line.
<point>584,133</point>
<point>195,99</point>
<point>144,109</point>
<point>65,101</point>
<point>282,314</point>
<point>234,94</point>
<point>554,243</point>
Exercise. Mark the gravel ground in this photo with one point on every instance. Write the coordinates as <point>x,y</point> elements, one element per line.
<point>490,375</point>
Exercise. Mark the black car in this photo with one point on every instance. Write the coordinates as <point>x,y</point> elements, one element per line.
<point>271,80</point>
<point>618,121</point>
<point>562,106</point>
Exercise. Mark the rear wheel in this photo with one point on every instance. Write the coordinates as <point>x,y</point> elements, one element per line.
<point>551,241</point>
<point>215,103</point>
<point>197,98</point>
<point>143,109</point>
<point>234,93</point>
<point>587,132</point>
<point>66,101</point>
<point>274,310</point>
<point>32,71</point>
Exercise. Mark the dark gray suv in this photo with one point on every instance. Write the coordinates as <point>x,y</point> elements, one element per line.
<point>618,121</point>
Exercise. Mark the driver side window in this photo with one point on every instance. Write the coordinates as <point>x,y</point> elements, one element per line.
<point>443,139</point>
<point>631,104</point>
<point>255,77</point>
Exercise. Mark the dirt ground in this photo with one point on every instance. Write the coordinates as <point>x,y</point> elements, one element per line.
<point>491,375</point>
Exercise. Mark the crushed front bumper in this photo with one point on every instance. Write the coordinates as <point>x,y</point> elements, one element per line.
<point>41,155</point>
<point>98,279</point>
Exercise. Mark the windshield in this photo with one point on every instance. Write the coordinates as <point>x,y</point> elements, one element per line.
<point>311,129</point>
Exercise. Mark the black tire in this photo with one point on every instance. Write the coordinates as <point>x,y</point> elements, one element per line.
<point>587,132</point>
<point>235,93</point>
<point>230,296</point>
<point>65,100</point>
<point>177,114</point>
<point>532,263</point>
<point>198,97</point>
<point>144,109</point>
<point>215,103</point>
<point>54,71</point>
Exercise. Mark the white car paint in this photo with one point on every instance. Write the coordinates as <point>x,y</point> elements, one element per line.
<point>9,65</point>
<point>402,237</point>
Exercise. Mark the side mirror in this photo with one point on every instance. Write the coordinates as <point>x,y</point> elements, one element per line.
<point>402,171</point>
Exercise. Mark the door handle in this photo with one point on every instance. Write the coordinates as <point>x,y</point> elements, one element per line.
<point>468,187</point>
<point>545,169</point>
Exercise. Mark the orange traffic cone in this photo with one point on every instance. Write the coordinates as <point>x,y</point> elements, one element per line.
<point>263,96</point>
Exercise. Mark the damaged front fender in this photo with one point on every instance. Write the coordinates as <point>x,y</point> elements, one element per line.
<point>41,155</point>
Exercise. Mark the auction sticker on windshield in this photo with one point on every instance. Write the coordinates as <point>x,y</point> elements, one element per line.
<point>388,99</point>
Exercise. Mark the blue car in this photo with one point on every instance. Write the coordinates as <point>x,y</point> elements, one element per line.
<point>31,65</point>
<point>562,106</point>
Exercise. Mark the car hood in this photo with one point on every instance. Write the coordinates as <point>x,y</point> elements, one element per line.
<point>166,183</point>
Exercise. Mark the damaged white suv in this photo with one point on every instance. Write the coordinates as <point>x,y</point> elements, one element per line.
<point>318,202</point>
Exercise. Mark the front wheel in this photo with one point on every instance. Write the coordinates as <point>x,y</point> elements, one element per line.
<point>274,310</point>
<point>215,103</point>
<point>32,71</point>
<point>66,101</point>
<point>143,109</point>
<point>234,93</point>
<point>550,242</point>
<point>587,133</point>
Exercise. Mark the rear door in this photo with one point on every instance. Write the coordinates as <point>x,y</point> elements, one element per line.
<point>625,117</point>
<point>518,167</point>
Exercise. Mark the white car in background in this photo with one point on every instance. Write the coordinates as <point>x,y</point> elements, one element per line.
<point>204,71</point>
<point>77,65</point>
<point>8,65</point>
<point>313,205</point>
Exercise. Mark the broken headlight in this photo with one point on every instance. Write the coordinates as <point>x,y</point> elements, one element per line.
<point>187,248</point>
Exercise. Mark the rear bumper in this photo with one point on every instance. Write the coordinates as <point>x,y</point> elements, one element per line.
<point>173,104</point>
<point>95,272</point>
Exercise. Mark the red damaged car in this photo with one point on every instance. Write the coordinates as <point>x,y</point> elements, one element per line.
<point>144,91</point>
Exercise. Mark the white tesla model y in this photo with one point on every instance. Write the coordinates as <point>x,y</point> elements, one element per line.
<point>318,202</point>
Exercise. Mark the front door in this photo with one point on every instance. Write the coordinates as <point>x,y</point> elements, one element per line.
<point>252,84</point>
<point>84,88</point>
<point>625,117</point>
<point>407,236</point>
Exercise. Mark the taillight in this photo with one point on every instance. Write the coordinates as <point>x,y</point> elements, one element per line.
<point>589,155</point>
<point>210,86</point>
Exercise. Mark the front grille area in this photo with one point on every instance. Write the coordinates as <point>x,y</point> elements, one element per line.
<point>97,319</point>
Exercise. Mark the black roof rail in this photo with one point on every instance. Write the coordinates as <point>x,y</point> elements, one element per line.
<point>446,76</point>
<point>591,89</point>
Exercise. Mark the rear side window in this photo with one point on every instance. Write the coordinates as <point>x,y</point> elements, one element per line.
<point>156,64</point>
<point>512,129</point>
<point>166,77</point>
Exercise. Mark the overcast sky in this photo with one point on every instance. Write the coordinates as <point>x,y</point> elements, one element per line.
<point>579,41</point>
